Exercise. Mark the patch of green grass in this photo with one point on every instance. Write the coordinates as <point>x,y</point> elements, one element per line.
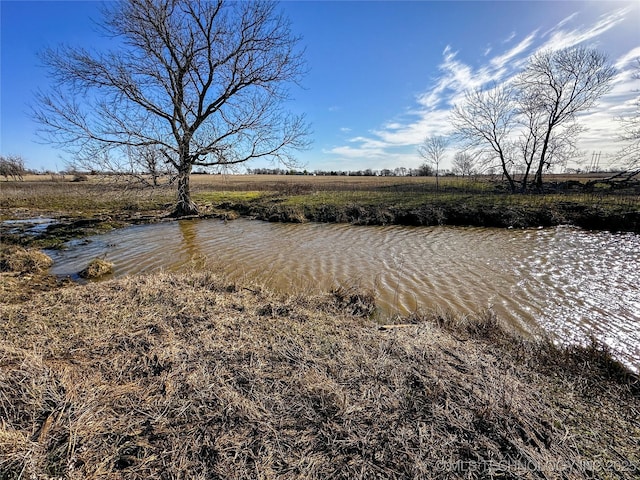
<point>416,199</point>
<point>220,197</point>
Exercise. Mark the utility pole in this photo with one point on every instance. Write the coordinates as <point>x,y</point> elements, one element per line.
<point>595,161</point>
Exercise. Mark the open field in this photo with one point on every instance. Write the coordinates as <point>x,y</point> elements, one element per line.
<point>244,181</point>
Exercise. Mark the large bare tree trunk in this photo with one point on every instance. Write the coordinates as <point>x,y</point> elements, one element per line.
<point>184,206</point>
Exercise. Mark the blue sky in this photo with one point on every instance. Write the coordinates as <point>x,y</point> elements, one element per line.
<point>383,75</point>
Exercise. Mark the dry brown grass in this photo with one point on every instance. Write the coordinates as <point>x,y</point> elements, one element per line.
<point>97,268</point>
<point>93,198</point>
<point>22,260</point>
<point>23,274</point>
<point>195,376</point>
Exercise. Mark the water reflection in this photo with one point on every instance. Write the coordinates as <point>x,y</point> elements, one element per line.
<point>572,282</point>
<point>189,233</point>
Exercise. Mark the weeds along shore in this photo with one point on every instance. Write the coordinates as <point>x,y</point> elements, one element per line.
<point>196,376</point>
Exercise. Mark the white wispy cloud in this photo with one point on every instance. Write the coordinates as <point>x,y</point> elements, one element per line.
<point>398,139</point>
<point>511,36</point>
<point>628,59</point>
<point>365,146</point>
<point>620,102</point>
<point>399,134</point>
<point>561,23</point>
<point>515,53</point>
<point>559,38</point>
<point>356,153</point>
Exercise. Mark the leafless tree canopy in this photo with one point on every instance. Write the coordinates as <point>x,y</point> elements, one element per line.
<point>192,83</point>
<point>630,154</point>
<point>556,86</point>
<point>531,124</point>
<point>485,122</point>
<point>433,150</point>
<point>12,166</point>
<point>463,164</point>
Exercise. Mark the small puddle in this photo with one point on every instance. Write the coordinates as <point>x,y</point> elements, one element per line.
<point>29,226</point>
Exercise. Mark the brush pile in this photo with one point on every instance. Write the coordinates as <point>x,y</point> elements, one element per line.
<point>194,376</point>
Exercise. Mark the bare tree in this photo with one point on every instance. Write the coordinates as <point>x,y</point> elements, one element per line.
<point>463,164</point>
<point>12,166</point>
<point>400,171</point>
<point>147,163</point>
<point>532,124</point>
<point>554,87</point>
<point>199,82</point>
<point>560,147</point>
<point>433,150</point>
<point>630,154</point>
<point>484,122</point>
<point>529,142</point>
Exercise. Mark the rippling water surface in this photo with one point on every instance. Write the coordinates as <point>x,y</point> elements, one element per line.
<point>572,282</point>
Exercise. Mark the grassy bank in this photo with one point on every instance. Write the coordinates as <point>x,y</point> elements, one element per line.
<point>489,210</point>
<point>195,376</point>
<point>78,209</point>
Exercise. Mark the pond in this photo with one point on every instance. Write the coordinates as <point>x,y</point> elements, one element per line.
<point>571,282</point>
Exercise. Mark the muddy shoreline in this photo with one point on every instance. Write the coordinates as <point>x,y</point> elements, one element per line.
<point>64,228</point>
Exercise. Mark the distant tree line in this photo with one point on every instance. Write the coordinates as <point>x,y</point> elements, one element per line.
<point>422,171</point>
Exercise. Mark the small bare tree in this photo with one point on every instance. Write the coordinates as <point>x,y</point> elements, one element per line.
<point>199,82</point>
<point>12,166</point>
<point>149,165</point>
<point>433,150</point>
<point>463,164</point>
